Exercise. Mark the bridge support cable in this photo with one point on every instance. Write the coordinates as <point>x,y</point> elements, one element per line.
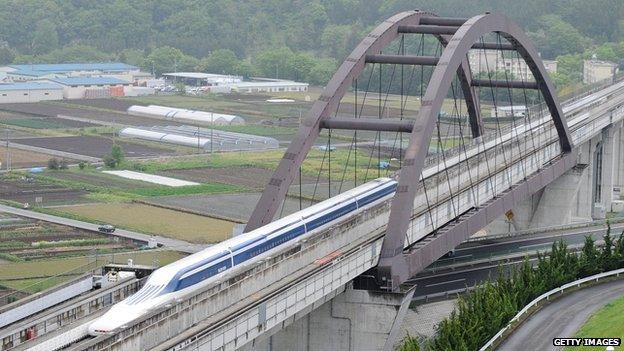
<point>442,183</point>
<point>393,267</point>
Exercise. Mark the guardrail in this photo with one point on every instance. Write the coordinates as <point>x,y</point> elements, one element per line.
<point>546,296</point>
<point>554,228</point>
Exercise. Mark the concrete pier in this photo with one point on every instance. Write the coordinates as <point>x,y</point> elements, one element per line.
<point>355,320</point>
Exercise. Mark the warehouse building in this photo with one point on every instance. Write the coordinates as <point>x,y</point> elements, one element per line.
<point>91,87</point>
<point>117,70</point>
<point>274,86</point>
<point>30,92</point>
<point>199,79</point>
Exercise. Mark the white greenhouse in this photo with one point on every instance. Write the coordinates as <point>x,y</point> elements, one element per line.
<point>206,139</point>
<point>184,115</point>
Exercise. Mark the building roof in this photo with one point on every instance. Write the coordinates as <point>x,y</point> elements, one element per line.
<point>88,80</point>
<point>28,72</point>
<point>29,86</point>
<point>198,75</point>
<point>69,67</point>
<point>601,63</point>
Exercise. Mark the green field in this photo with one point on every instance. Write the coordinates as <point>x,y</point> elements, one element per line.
<point>38,275</point>
<point>608,322</point>
<point>107,188</point>
<point>155,220</point>
<point>34,123</point>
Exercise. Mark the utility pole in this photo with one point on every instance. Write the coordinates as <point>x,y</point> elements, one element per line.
<point>198,151</point>
<point>8,150</point>
<point>211,132</point>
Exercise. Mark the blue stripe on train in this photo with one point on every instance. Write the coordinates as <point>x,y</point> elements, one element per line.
<point>263,244</point>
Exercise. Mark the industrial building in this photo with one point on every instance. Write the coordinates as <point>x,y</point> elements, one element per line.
<point>201,138</point>
<point>91,87</point>
<point>273,86</point>
<point>30,92</point>
<point>494,61</point>
<point>595,70</point>
<point>184,115</point>
<point>117,70</point>
<point>199,79</point>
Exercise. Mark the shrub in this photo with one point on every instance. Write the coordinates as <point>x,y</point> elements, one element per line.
<point>53,163</point>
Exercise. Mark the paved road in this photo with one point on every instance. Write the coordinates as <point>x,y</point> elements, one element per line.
<point>562,318</point>
<point>175,244</point>
<point>462,270</point>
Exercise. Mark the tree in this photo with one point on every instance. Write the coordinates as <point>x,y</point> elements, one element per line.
<point>117,154</point>
<point>45,38</point>
<point>322,71</point>
<point>53,163</point>
<point>7,54</point>
<point>109,161</point>
<point>557,37</point>
<point>589,262</point>
<point>169,59</point>
<point>607,261</point>
<point>222,61</point>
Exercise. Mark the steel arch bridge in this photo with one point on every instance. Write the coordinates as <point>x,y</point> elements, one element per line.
<point>456,37</point>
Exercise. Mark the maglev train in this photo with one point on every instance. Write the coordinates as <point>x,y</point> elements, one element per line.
<point>175,280</point>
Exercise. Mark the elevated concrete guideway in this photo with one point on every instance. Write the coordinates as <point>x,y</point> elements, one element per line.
<point>305,287</point>
<point>255,302</point>
<point>178,245</point>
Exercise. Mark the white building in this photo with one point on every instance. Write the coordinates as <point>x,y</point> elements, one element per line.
<point>91,87</point>
<point>509,111</point>
<point>595,71</point>
<point>269,87</point>
<point>493,61</point>
<point>30,92</point>
<point>199,79</point>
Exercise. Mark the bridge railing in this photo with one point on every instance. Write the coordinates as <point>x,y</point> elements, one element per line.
<point>542,299</point>
<point>590,89</point>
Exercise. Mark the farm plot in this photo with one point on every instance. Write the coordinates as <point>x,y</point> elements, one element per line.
<point>94,146</point>
<point>35,276</point>
<point>24,190</point>
<point>24,158</point>
<point>248,177</point>
<point>30,240</point>
<point>236,207</point>
<point>96,178</point>
<point>55,109</point>
<point>151,219</point>
<point>45,122</point>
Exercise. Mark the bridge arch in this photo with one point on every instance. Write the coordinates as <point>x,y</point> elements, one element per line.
<point>328,102</point>
<point>456,50</point>
<point>457,36</point>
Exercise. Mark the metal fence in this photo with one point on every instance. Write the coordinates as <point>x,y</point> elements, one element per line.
<point>546,297</point>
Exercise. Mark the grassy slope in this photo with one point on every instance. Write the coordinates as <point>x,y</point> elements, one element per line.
<point>608,322</point>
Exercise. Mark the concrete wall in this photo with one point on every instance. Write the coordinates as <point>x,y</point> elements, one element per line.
<point>13,96</point>
<point>355,320</point>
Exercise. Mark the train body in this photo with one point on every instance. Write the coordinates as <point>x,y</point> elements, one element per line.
<point>175,280</point>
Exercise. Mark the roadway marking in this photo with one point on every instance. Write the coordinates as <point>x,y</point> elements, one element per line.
<point>534,245</point>
<point>454,257</point>
<point>446,282</point>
